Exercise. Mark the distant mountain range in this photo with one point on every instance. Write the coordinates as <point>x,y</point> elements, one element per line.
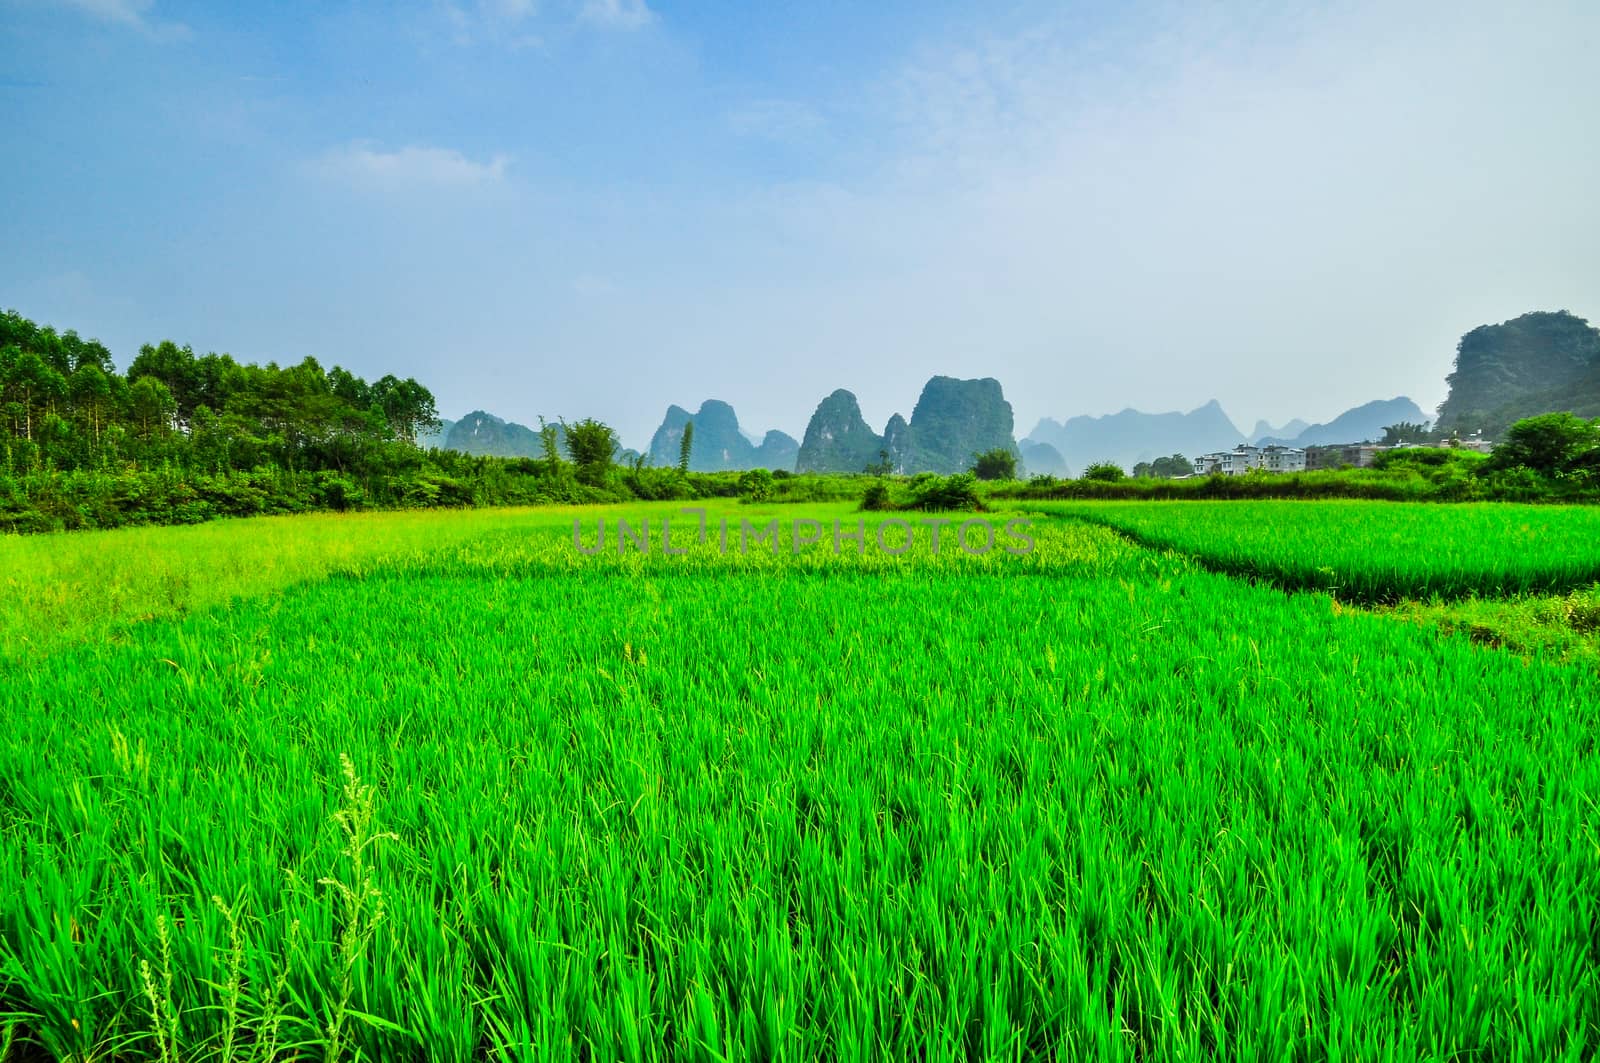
<point>1130,436</point>
<point>1537,363</point>
<point>952,420</point>
<point>1263,430</point>
<point>1363,424</point>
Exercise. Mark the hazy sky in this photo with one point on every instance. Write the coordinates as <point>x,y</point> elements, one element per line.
<point>599,207</point>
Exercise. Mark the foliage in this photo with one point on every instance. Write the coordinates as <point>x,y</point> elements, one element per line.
<point>686,447</point>
<point>882,467</point>
<point>1550,445</point>
<point>1103,472</point>
<point>1405,432</point>
<point>999,463</point>
<point>590,444</point>
<point>756,485</point>
<point>1164,468</point>
<point>1537,363</point>
<point>958,492</point>
<point>877,498</point>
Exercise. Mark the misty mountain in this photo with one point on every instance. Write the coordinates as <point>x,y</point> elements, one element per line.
<point>719,444</point>
<point>1130,437</point>
<point>778,450</point>
<point>1363,423</point>
<point>838,438</point>
<point>1041,459</point>
<point>1538,363</point>
<point>486,435</point>
<point>1264,430</point>
<point>952,421</point>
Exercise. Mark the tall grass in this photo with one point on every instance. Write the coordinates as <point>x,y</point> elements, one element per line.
<point>1091,803</point>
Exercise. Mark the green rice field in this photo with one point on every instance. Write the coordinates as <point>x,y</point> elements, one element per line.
<point>444,787</point>
<point>1367,552</point>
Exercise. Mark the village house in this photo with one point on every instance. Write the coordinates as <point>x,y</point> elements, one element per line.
<point>1245,458</point>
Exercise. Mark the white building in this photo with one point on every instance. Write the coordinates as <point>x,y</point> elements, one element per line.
<point>1244,458</point>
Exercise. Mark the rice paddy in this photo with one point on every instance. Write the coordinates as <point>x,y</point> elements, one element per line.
<point>475,794</point>
<point>1366,552</point>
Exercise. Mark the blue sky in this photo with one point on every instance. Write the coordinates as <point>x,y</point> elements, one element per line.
<point>599,207</point>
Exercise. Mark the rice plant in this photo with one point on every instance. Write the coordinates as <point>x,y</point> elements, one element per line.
<point>492,798</point>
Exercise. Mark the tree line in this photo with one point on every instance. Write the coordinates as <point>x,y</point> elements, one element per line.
<point>66,407</point>
<point>182,437</point>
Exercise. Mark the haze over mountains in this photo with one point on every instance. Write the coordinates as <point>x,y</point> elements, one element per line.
<point>718,443</point>
<point>951,421</point>
<point>1533,364</point>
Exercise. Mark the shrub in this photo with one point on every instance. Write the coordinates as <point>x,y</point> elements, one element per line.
<point>755,485</point>
<point>1104,472</point>
<point>958,492</point>
<point>997,464</point>
<point>877,498</point>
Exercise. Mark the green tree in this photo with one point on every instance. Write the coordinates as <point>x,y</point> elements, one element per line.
<point>1404,432</point>
<point>996,464</point>
<point>174,367</point>
<point>407,407</point>
<point>152,407</point>
<point>30,389</point>
<point>90,390</point>
<point>755,485</point>
<point>685,446</point>
<point>591,445</point>
<point>1104,471</point>
<point>550,444</point>
<point>1549,444</point>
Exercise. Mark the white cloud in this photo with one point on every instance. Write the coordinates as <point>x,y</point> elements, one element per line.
<point>492,21</point>
<point>616,14</point>
<point>361,163</point>
<point>133,14</point>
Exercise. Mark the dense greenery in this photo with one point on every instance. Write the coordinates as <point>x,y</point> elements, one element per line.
<point>1537,363</point>
<point>997,464</point>
<point>182,438</point>
<point>493,799</point>
<point>1164,468</point>
<point>1532,468</point>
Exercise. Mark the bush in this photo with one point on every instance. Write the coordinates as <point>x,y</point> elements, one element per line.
<point>997,464</point>
<point>1104,472</point>
<point>755,485</point>
<point>339,493</point>
<point>877,498</point>
<point>1550,444</point>
<point>958,492</point>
